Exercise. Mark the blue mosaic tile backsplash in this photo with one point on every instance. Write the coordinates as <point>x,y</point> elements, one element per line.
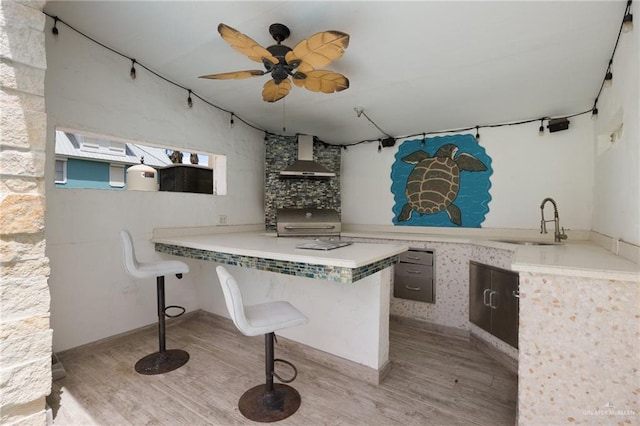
<point>323,272</point>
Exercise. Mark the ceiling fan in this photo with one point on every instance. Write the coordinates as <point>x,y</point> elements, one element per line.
<point>282,62</point>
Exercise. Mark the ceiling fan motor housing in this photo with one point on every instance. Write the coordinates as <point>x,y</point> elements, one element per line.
<point>282,69</point>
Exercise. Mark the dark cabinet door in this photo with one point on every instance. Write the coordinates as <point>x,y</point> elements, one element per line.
<point>493,301</point>
<point>479,292</point>
<point>504,319</point>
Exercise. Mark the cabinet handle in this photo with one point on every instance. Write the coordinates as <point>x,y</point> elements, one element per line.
<point>413,271</point>
<point>491,305</point>
<point>408,287</point>
<point>516,294</point>
<point>485,296</point>
<point>412,257</point>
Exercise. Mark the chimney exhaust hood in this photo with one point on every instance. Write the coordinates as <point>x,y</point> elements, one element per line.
<point>304,166</point>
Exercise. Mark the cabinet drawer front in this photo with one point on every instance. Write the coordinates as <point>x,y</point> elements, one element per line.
<point>413,282</point>
<point>412,270</point>
<point>419,289</point>
<point>420,257</point>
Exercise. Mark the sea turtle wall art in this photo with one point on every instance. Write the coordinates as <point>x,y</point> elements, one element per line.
<point>441,181</point>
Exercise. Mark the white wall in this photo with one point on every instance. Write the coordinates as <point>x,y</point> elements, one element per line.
<point>596,184</point>
<point>617,166</point>
<point>526,169</point>
<point>88,88</point>
<point>344,319</point>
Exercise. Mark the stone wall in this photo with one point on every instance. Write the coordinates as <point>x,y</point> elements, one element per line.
<point>25,334</point>
<point>282,151</point>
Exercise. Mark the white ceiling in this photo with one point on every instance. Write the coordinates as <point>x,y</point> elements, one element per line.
<point>415,66</point>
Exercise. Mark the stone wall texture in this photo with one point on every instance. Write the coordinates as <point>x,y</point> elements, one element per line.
<point>25,333</point>
<point>579,346</point>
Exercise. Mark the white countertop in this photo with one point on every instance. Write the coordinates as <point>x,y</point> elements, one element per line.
<point>578,256</point>
<point>259,244</point>
<point>581,258</point>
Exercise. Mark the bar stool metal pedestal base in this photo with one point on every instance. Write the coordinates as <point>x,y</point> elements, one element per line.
<point>162,362</point>
<point>261,406</point>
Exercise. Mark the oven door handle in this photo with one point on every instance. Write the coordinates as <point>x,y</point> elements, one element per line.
<point>291,227</point>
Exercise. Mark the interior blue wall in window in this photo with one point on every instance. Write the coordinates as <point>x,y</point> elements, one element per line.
<point>473,196</point>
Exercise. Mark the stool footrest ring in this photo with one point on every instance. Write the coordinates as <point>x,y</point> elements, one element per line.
<point>293,367</point>
<point>183,310</point>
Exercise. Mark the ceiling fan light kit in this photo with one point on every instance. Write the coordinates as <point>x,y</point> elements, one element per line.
<point>280,61</point>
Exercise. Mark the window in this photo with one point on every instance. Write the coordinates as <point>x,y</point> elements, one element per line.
<point>89,144</point>
<point>117,148</point>
<point>100,162</point>
<point>61,170</point>
<point>116,175</point>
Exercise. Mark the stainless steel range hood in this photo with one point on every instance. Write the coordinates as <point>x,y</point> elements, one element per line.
<point>304,166</point>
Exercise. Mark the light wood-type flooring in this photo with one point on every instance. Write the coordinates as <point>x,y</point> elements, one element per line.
<point>434,380</point>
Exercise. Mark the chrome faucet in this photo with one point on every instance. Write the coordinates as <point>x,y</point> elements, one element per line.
<point>557,235</point>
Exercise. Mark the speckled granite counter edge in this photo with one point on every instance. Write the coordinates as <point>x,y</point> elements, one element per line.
<point>338,274</point>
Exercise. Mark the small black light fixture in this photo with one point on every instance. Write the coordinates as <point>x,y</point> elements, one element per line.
<point>627,21</point>
<point>477,133</point>
<point>558,124</point>
<point>424,139</point>
<point>189,100</point>
<point>594,113</point>
<point>541,128</point>
<point>54,30</point>
<point>608,77</point>
<point>132,71</point>
<point>379,146</point>
<point>231,122</point>
<point>388,142</point>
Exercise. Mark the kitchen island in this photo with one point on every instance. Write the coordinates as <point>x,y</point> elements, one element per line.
<point>344,292</point>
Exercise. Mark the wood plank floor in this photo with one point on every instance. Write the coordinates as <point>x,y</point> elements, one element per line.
<point>434,380</point>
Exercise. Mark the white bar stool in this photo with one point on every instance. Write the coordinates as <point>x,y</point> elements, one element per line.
<point>263,403</point>
<point>164,360</point>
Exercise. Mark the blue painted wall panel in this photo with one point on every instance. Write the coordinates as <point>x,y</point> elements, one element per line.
<point>87,174</point>
<point>473,196</point>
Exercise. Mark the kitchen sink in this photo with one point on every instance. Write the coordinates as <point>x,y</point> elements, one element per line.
<point>529,242</point>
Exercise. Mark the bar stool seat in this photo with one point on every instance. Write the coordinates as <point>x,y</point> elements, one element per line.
<point>266,402</point>
<point>164,360</point>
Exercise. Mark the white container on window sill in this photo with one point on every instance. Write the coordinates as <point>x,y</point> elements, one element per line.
<point>142,178</point>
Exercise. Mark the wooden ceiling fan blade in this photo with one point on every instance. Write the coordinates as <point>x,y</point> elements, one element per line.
<point>320,49</point>
<point>235,75</point>
<point>245,44</point>
<point>303,67</point>
<point>272,92</point>
<point>324,81</point>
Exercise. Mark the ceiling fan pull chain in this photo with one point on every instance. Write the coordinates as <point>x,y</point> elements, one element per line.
<point>284,129</point>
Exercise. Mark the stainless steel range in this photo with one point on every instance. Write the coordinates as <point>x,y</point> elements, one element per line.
<point>297,222</point>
